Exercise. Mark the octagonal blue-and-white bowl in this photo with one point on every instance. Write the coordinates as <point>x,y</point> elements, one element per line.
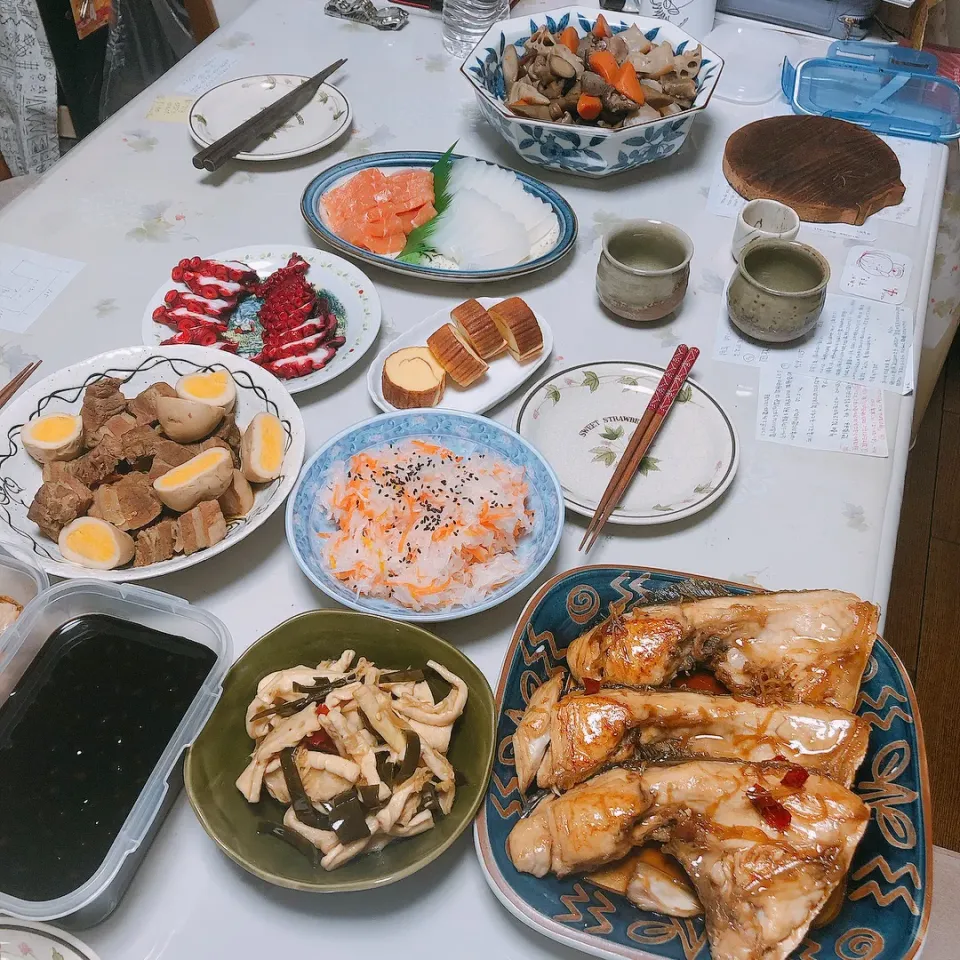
<point>464,434</point>
<point>585,151</point>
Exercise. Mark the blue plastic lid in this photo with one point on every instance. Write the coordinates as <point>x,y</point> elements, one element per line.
<point>883,87</point>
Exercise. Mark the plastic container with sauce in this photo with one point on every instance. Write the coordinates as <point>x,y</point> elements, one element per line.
<point>60,634</point>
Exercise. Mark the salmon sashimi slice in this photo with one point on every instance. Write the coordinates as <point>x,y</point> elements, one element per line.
<point>387,245</point>
<point>411,219</point>
<point>375,211</point>
<point>382,226</point>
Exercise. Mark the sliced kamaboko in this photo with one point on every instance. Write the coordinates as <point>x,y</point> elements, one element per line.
<point>478,234</point>
<point>807,646</point>
<point>764,857</point>
<point>506,191</point>
<point>586,732</point>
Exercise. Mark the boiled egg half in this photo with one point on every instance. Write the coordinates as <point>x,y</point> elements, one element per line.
<point>262,447</point>
<point>203,477</point>
<point>216,389</point>
<point>57,436</point>
<point>94,543</point>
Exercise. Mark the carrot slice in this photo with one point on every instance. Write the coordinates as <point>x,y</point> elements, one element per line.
<point>601,28</point>
<point>570,39</point>
<point>628,83</point>
<point>605,63</point>
<point>589,107</point>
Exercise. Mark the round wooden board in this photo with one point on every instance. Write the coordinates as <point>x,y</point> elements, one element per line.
<point>828,170</point>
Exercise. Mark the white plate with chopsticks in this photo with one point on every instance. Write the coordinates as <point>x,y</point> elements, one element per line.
<point>582,419</point>
<point>224,107</point>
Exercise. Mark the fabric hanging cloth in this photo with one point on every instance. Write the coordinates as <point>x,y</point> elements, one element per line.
<point>28,90</point>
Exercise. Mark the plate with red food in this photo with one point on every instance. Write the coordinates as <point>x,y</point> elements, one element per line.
<point>302,314</point>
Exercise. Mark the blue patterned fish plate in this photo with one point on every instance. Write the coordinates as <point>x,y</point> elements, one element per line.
<point>585,151</point>
<point>436,269</point>
<point>464,434</point>
<point>887,905</point>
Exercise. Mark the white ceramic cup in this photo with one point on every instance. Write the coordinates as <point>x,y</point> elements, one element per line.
<point>693,16</point>
<point>764,219</point>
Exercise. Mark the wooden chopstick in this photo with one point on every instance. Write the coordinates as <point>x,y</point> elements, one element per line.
<point>238,140</point>
<point>17,382</point>
<point>625,477</point>
<point>673,367</point>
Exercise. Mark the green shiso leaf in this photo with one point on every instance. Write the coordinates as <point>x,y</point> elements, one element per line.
<point>418,241</point>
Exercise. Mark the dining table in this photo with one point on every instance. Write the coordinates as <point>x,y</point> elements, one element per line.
<point>128,204</point>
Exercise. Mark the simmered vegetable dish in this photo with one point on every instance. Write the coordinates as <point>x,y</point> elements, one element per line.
<point>358,753</point>
<point>602,79</point>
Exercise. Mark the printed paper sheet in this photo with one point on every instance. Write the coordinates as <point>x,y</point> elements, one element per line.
<point>29,281</point>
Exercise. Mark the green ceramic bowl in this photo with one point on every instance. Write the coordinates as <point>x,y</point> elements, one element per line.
<point>222,750</point>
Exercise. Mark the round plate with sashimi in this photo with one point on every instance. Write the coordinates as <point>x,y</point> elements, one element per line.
<point>303,314</point>
<point>440,216</point>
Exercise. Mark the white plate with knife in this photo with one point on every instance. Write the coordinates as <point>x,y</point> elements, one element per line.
<point>223,108</point>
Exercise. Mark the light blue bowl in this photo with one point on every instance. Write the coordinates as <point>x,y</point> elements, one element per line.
<point>464,434</point>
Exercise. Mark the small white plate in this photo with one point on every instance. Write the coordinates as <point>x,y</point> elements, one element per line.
<point>225,107</point>
<point>350,286</point>
<point>37,941</point>
<point>137,367</point>
<point>582,419</point>
<point>503,378</point>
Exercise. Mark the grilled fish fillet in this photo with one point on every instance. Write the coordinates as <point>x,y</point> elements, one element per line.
<point>586,732</point>
<point>760,887</point>
<point>806,647</point>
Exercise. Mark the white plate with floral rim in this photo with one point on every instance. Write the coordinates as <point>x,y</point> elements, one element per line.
<point>582,418</point>
<point>37,941</point>
<point>504,374</point>
<point>137,368</point>
<point>224,107</point>
<point>348,291</point>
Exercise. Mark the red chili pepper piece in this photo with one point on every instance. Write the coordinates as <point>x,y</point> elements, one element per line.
<point>590,685</point>
<point>322,710</point>
<point>779,756</point>
<point>771,810</point>
<point>320,741</point>
<point>795,777</point>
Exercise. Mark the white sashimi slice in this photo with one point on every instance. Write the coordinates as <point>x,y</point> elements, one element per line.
<point>506,191</point>
<point>478,234</point>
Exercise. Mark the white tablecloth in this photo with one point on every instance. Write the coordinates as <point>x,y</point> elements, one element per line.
<point>128,202</point>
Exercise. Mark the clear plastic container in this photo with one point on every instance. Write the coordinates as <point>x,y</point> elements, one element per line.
<point>20,644</point>
<point>20,579</point>
<point>879,86</point>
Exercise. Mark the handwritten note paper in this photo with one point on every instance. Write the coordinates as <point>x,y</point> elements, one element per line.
<point>724,201</point>
<point>858,340</point>
<point>876,274</point>
<point>210,73</point>
<point>29,281</point>
<point>171,109</point>
<point>818,414</point>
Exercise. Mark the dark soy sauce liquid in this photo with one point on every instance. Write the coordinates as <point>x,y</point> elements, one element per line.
<point>79,737</point>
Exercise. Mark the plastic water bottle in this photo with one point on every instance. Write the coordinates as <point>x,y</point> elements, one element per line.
<point>466,21</point>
